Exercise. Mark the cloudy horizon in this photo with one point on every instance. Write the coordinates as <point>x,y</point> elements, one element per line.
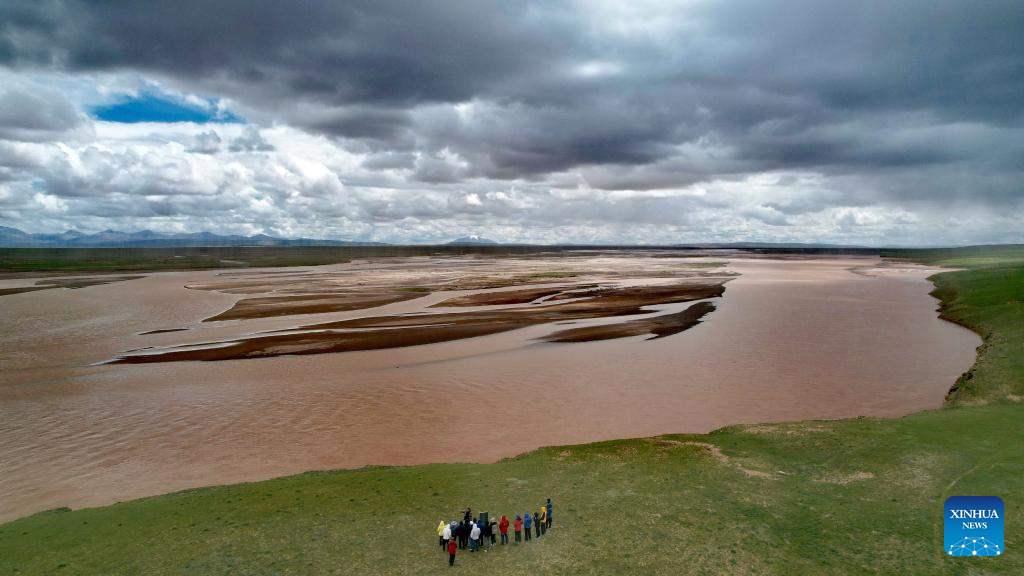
<point>869,123</point>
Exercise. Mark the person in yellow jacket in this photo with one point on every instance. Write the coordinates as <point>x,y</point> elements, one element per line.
<point>543,519</point>
<point>440,533</point>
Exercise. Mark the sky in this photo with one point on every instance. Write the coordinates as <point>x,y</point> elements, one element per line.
<point>869,122</point>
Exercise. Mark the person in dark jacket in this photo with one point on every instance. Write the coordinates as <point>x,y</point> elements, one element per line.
<point>485,534</point>
<point>518,525</point>
<point>452,549</point>
<point>503,528</point>
<point>527,523</point>
<point>463,534</point>
<point>549,512</point>
<point>536,524</point>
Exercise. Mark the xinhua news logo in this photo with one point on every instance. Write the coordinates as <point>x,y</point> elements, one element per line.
<point>974,526</point>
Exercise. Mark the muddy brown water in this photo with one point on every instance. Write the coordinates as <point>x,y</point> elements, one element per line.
<point>791,339</point>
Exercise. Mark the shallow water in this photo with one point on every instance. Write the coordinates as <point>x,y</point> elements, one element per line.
<point>791,339</point>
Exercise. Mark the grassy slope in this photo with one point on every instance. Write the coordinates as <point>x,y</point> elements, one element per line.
<point>989,300</point>
<point>846,497</point>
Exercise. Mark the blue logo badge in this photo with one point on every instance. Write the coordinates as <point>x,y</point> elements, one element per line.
<point>974,526</point>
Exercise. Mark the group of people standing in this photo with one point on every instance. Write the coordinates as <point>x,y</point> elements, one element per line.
<point>475,533</point>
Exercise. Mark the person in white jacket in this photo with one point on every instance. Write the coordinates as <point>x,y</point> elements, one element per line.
<point>446,535</point>
<point>474,538</point>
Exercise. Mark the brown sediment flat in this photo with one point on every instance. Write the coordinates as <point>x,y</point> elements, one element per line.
<point>609,303</point>
<point>281,284</point>
<point>271,306</point>
<point>583,293</point>
<point>9,291</point>
<point>612,294</point>
<point>321,343</point>
<point>506,297</point>
<point>70,283</point>
<point>85,282</point>
<point>488,282</point>
<point>303,285</point>
<point>283,272</point>
<point>661,326</point>
<point>162,331</point>
<point>381,332</point>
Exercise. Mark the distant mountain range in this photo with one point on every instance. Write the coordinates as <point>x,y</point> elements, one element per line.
<point>777,246</point>
<point>470,241</point>
<point>14,238</point>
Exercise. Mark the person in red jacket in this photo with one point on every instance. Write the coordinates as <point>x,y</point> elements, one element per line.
<point>518,525</point>
<point>503,528</point>
<point>452,549</point>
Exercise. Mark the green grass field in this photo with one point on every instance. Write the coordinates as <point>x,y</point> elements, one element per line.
<point>134,259</point>
<point>860,496</point>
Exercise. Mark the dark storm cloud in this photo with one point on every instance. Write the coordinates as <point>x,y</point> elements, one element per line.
<point>620,120</point>
<point>341,52</point>
<point>371,125</point>
<point>794,84</point>
<point>955,57</point>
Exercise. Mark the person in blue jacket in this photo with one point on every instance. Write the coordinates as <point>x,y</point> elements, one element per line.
<point>527,525</point>
<point>549,512</point>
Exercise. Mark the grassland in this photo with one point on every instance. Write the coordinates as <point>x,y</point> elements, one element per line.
<point>133,259</point>
<point>92,260</point>
<point>155,259</point>
<point>861,496</point>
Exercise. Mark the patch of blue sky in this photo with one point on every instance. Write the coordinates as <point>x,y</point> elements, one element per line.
<point>150,107</point>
